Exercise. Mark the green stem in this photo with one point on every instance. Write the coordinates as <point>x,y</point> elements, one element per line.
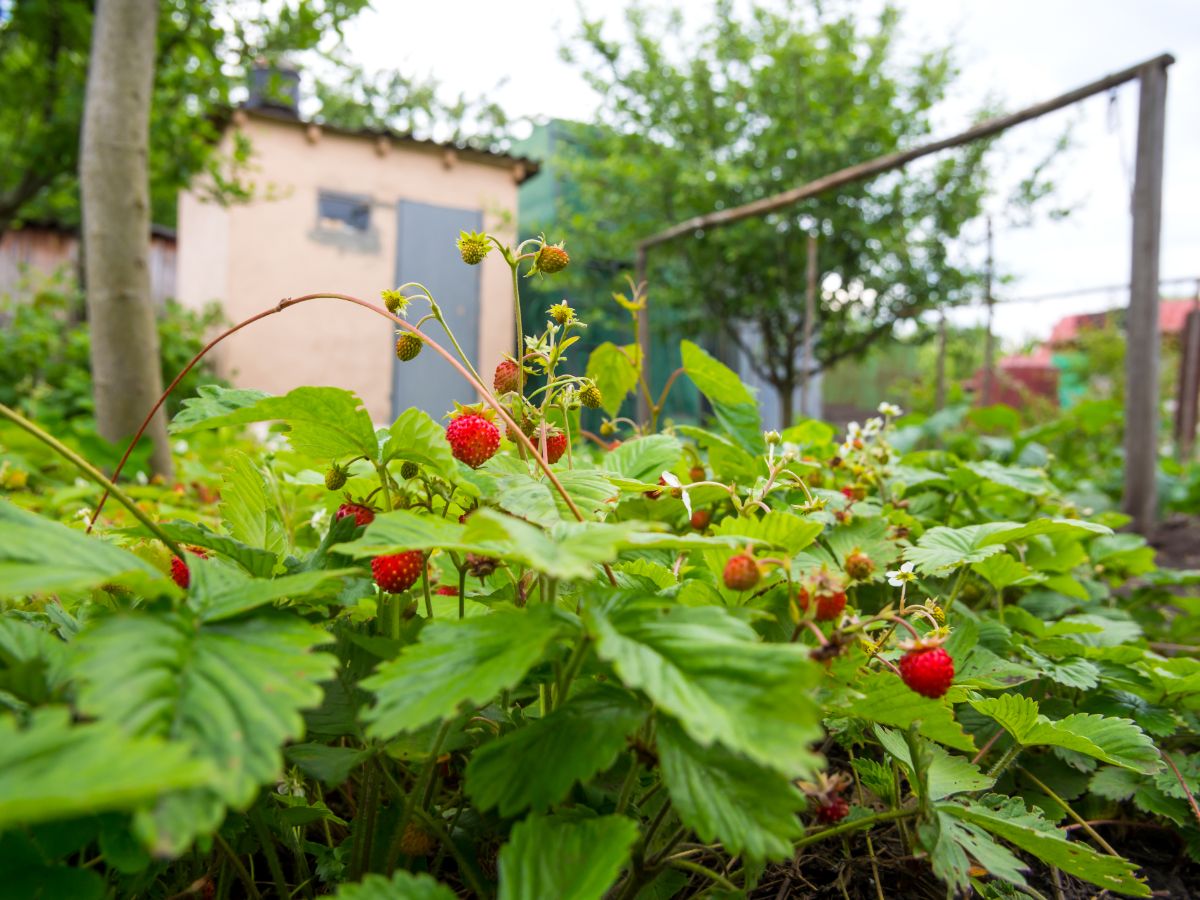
<point>958,583</point>
<point>268,847</point>
<point>382,471</point>
<point>368,808</point>
<point>91,472</point>
<point>465,866</point>
<point>238,865</point>
<point>437,314</point>
<point>1003,762</point>
<point>1080,820</point>
<point>462,592</point>
<point>628,784</point>
<point>846,827</point>
<point>516,280</point>
<point>412,800</point>
<point>574,664</point>
<point>697,869</point>
<point>425,586</point>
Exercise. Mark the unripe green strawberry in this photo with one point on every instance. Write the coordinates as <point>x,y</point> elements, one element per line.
<point>473,247</point>
<point>591,397</point>
<point>550,259</point>
<point>507,378</point>
<point>335,478</point>
<point>859,566</point>
<point>741,573</point>
<point>409,470</point>
<point>408,346</point>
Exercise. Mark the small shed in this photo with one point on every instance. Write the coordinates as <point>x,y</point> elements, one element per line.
<point>353,212</point>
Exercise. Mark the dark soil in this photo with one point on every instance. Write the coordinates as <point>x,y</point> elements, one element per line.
<point>1177,540</point>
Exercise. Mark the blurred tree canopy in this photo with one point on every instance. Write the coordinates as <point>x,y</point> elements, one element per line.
<point>206,49</point>
<point>695,119</point>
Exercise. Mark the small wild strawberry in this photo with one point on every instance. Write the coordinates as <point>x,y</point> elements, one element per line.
<point>472,437</point>
<point>473,247</point>
<point>741,573</point>
<point>416,841</point>
<point>829,604</point>
<point>697,473</point>
<point>397,572</point>
<point>859,566</point>
<point>409,470</point>
<point>335,478</point>
<point>654,495</point>
<point>700,519</point>
<point>550,259</point>
<point>180,573</point>
<point>556,445</point>
<point>927,669</point>
<point>591,397</point>
<point>408,346</point>
<point>363,515</point>
<point>832,810</point>
<point>507,377</point>
<point>446,590</point>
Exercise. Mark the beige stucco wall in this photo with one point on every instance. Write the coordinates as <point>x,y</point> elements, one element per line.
<point>250,256</point>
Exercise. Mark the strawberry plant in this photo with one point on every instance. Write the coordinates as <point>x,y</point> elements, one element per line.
<point>485,658</point>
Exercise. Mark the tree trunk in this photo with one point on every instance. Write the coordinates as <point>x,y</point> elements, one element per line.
<point>115,185</point>
<point>787,399</point>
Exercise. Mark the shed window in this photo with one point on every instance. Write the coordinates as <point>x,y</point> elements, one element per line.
<point>343,212</point>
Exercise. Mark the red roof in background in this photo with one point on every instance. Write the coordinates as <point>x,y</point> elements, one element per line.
<point>1171,316</point>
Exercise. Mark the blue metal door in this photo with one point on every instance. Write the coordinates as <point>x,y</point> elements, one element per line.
<point>426,252</point>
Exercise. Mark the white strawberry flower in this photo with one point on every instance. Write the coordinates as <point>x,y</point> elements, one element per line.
<point>901,576</point>
<point>671,479</point>
<point>890,409</point>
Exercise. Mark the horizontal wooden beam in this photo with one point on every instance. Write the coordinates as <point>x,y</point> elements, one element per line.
<point>896,160</point>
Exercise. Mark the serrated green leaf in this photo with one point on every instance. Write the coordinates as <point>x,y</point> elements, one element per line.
<point>54,769</point>
<point>645,458</point>
<point>1026,481</point>
<point>323,422</point>
<point>246,512</point>
<point>401,886</point>
<point>788,532</point>
<point>38,556</point>
<point>711,672</point>
<point>1032,834</point>
<point>945,774</point>
<point>534,766</point>
<point>732,402</point>
<point>1114,783</point>
<point>614,373</point>
<point>417,438</point>
<point>537,501</point>
<point>1116,741</point>
<point>230,692</point>
<point>960,845</point>
<point>214,404</point>
<point>565,859</point>
<point>884,699</point>
<point>331,765</point>
<point>944,548</point>
<point>457,662</point>
<point>1004,570</point>
<point>218,591</point>
<point>725,797</point>
<point>258,562</point>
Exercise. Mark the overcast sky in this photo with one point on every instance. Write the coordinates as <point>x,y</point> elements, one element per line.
<point>1017,51</point>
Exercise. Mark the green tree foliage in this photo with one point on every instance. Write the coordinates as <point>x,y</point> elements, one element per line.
<point>697,118</point>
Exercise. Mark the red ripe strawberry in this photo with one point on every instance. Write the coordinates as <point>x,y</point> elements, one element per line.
<point>696,473</point>
<point>180,573</point>
<point>654,495</point>
<point>859,566</point>
<point>446,590</point>
<point>832,810</point>
<point>397,572</point>
<point>506,377</point>
<point>556,445</point>
<point>700,519</point>
<point>829,604</point>
<point>473,439</point>
<point>363,515</point>
<point>741,573</point>
<point>927,670</point>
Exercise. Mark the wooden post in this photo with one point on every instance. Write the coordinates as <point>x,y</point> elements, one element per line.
<point>1189,386</point>
<point>643,337</point>
<point>989,341</point>
<point>1142,338</point>
<point>810,312</point>
<point>939,400</point>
